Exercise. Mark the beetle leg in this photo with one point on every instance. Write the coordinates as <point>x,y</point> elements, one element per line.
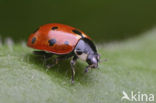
<point>72,63</point>
<point>52,65</point>
<point>46,56</point>
<point>59,58</point>
<point>43,53</point>
<point>39,52</point>
<point>87,68</point>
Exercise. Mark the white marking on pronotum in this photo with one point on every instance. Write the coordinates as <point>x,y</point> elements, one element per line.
<point>82,56</point>
<point>9,42</point>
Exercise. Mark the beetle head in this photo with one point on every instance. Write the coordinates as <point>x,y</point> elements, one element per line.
<point>86,50</point>
<point>92,60</point>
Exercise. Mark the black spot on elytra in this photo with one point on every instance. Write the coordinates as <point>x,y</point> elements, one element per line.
<point>77,32</point>
<point>33,40</point>
<point>54,28</point>
<point>36,30</point>
<point>52,42</point>
<point>66,43</point>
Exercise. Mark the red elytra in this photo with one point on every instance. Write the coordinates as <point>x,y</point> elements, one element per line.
<point>55,38</point>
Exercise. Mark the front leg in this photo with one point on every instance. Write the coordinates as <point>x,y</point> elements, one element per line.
<point>87,68</point>
<point>90,67</point>
<point>72,63</point>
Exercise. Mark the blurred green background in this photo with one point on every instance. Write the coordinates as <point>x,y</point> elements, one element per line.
<point>103,20</point>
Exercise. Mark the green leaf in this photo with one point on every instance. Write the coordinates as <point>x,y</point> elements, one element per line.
<point>125,66</point>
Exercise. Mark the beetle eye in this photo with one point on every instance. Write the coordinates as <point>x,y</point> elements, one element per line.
<point>79,52</point>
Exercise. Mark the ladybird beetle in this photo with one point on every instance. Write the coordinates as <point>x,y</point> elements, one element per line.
<point>65,42</point>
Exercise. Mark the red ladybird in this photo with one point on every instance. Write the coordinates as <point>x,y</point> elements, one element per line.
<point>65,42</point>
